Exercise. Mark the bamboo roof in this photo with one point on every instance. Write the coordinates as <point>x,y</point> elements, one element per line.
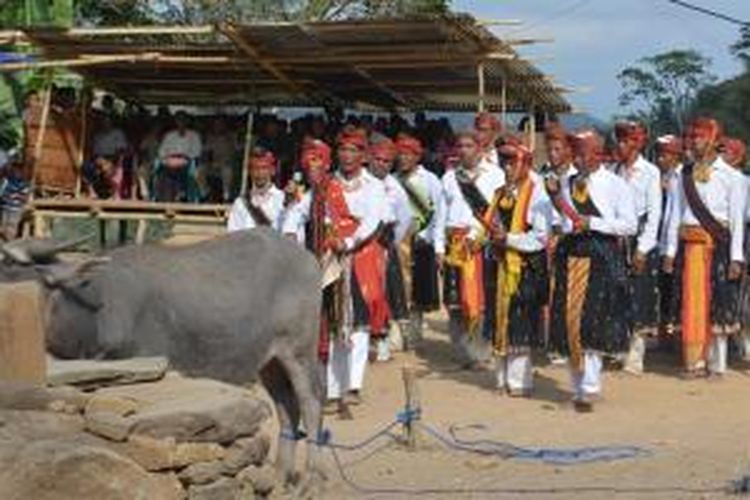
<point>418,63</point>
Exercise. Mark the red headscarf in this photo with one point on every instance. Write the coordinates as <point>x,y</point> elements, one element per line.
<point>670,144</point>
<point>315,149</point>
<point>734,151</point>
<point>516,151</point>
<point>706,127</point>
<point>383,146</point>
<point>485,118</point>
<point>407,144</point>
<point>352,136</point>
<point>262,159</point>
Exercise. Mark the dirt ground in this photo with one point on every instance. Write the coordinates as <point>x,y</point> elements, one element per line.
<point>697,433</point>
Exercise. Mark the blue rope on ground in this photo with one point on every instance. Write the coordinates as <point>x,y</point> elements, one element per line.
<point>557,456</point>
<point>575,456</point>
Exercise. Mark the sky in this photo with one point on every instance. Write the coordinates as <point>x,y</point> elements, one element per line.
<point>593,40</point>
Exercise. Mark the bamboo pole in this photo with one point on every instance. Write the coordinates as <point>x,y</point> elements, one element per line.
<point>83,60</point>
<point>532,127</point>
<point>39,144</point>
<point>142,30</point>
<point>246,152</point>
<point>504,100</point>
<point>480,83</point>
<point>81,157</point>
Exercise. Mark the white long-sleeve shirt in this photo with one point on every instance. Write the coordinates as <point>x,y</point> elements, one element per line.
<point>724,194</point>
<point>670,184</point>
<point>400,210</point>
<point>366,199</point>
<point>427,185</point>
<point>539,220</point>
<point>458,213</point>
<point>613,199</point>
<point>644,180</point>
<point>271,201</point>
<point>187,144</point>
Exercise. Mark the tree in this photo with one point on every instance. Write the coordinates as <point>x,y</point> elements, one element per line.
<point>663,88</point>
<point>113,12</point>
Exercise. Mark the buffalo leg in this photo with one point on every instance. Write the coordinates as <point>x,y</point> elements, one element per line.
<point>308,388</point>
<point>280,389</point>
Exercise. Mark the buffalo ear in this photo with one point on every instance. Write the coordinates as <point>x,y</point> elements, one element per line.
<point>54,276</point>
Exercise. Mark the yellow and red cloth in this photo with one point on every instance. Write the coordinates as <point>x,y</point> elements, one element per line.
<point>696,294</point>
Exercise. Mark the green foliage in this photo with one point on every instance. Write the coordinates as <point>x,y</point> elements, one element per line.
<point>663,88</point>
<point>22,13</point>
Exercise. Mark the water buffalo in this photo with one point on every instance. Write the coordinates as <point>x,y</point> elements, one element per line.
<point>230,308</point>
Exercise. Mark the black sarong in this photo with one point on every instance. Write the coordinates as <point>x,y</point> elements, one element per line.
<point>425,287</point>
<point>603,322</point>
<point>525,313</point>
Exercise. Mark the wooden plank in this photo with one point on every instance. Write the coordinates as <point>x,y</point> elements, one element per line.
<point>22,348</point>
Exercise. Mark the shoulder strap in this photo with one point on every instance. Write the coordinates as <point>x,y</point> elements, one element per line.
<point>424,207</point>
<point>259,216</point>
<point>473,197</point>
<point>699,209</point>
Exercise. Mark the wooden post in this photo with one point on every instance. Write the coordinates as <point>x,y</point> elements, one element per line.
<point>82,141</point>
<point>480,80</point>
<point>246,153</point>
<point>532,128</point>
<point>22,353</point>
<point>39,144</point>
<point>412,406</point>
<point>504,101</point>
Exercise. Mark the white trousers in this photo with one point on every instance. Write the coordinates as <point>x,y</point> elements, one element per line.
<point>514,371</point>
<point>588,382</point>
<point>717,355</point>
<point>636,354</point>
<point>347,364</point>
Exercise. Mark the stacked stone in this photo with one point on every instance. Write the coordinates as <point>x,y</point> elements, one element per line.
<point>195,440</point>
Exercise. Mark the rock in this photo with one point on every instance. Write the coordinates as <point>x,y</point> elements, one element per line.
<point>92,374</point>
<point>163,454</point>
<point>25,396</point>
<point>60,470</point>
<point>27,426</point>
<point>120,406</point>
<point>201,473</point>
<point>262,478</point>
<point>190,453</point>
<point>223,489</point>
<point>219,419</point>
<point>108,425</point>
<point>244,452</point>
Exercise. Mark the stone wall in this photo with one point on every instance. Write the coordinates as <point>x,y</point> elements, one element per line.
<point>173,439</point>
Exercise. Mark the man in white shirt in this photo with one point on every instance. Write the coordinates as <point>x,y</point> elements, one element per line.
<point>109,141</point>
<point>347,212</point>
<point>397,229</point>
<point>488,129</point>
<point>588,317</point>
<point>263,205</point>
<point>460,240</point>
<point>425,194</point>
<point>176,172</point>
<point>708,219</point>
<point>642,255</point>
<point>521,227</point>
<point>669,160</point>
